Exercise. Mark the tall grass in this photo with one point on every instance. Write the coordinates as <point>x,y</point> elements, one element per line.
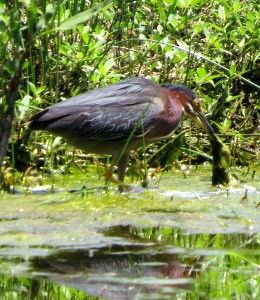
<point>72,46</point>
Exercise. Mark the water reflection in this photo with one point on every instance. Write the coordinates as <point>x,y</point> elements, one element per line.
<point>118,272</point>
<point>145,263</point>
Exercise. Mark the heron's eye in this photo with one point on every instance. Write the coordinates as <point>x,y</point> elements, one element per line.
<point>197,103</point>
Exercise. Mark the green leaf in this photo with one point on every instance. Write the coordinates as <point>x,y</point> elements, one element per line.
<point>32,87</point>
<point>222,13</point>
<point>84,16</point>
<point>109,64</point>
<point>232,70</point>
<point>226,124</point>
<point>202,73</point>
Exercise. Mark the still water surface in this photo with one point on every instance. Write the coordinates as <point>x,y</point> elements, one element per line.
<point>180,239</point>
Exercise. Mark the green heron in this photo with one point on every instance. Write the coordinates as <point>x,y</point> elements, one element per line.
<point>121,117</point>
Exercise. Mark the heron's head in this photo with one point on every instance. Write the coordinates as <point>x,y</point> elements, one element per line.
<point>191,105</point>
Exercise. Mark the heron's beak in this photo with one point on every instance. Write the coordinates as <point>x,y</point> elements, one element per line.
<point>198,117</point>
<point>221,156</point>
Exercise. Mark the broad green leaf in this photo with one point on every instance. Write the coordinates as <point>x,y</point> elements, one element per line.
<point>84,16</point>
<point>109,64</point>
<point>202,73</point>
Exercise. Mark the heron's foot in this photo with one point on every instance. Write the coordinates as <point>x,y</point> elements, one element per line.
<point>122,187</point>
<point>127,188</point>
<point>109,177</point>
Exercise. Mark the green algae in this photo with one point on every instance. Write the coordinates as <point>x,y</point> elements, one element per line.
<point>136,242</point>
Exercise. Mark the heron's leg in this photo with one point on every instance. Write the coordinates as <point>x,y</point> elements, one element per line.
<point>122,165</point>
<point>109,175</point>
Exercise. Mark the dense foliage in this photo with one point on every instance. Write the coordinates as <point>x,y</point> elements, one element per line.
<point>57,49</point>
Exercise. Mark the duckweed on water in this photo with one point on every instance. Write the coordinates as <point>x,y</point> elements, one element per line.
<point>174,241</point>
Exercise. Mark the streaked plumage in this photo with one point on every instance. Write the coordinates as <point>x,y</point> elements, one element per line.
<point>120,117</point>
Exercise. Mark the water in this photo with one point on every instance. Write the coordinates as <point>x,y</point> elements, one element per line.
<point>180,239</point>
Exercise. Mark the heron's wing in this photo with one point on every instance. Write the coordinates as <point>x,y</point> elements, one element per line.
<point>125,92</point>
<point>113,112</point>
